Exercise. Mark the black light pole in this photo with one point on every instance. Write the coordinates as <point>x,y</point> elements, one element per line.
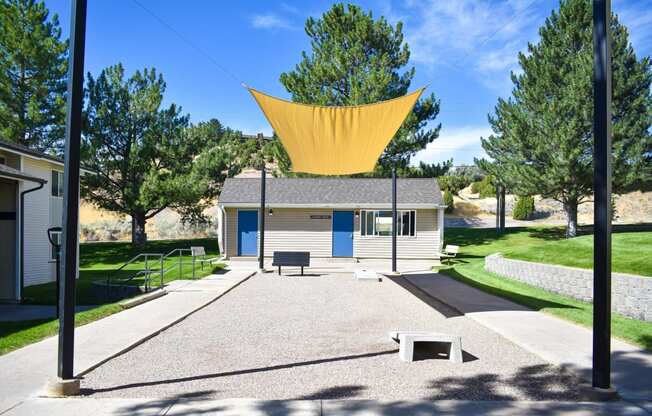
<point>602,197</point>
<point>71,191</point>
<point>502,208</point>
<point>497,208</point>
<point>394,220</point>
<point>261,220</point>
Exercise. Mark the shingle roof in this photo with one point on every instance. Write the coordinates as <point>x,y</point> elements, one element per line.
<point>331,191</point>
<point>26,150</point>
<point>9,172</point>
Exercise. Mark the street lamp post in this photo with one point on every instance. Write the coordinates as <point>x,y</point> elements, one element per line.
<point>602,189</point>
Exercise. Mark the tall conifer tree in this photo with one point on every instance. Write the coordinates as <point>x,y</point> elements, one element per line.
<point>543,133</point>
<point>33,68</point>
<point>356,59</point>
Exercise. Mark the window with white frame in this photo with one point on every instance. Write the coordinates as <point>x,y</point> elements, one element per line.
<point>379,223</point>
<point>57,183</point>
<point>56,238</point>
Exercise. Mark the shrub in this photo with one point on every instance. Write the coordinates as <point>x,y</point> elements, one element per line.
<point>453,183</point>
<point>448,201</point>
<point>524,208</point>
<point>485,187</point>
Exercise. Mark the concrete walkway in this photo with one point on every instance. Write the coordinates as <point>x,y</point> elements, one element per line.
<point>235,407</point>
<point>553,339</point>
<point>27,370</point>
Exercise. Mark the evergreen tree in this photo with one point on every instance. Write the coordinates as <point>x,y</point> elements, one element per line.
<point>356,59</point>
<point>543,141</point>
<point>146,158</point>
<point>429,170</point>
<point>33,68</point>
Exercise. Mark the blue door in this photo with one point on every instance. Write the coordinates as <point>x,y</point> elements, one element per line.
<point>342,233</point>
<point>247,233</point>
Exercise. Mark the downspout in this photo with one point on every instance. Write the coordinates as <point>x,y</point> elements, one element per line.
<point>22,235</point>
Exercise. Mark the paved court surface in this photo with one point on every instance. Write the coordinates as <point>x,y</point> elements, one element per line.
<point>322,337</point>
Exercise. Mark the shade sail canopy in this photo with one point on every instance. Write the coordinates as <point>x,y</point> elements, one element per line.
<point>335,140</point>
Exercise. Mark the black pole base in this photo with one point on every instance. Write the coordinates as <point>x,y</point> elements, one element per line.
<point>63,387</point>
<point>596,394</point>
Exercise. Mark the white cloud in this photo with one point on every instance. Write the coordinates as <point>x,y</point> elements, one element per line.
<point>270,21</point>
<point>483,36</point>
<point>460,143</point>
<point>637,17</point>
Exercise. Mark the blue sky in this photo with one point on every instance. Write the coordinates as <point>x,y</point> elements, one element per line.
<point>463,49</point>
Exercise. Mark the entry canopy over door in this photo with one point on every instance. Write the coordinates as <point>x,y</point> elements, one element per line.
<point>335,140</point>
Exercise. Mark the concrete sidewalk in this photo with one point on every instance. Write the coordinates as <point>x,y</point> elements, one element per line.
<point>26,371</point>
<point>235,407</point>
<point>555,340</point>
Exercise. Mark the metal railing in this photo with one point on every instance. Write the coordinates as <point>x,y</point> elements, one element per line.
<point>180,263</point>
<point>150,261</point>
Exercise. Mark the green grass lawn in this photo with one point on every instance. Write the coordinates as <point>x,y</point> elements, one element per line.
<point>475,244</point>
<point>96,261</point>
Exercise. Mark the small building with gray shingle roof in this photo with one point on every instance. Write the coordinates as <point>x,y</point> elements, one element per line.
<point>332,217</point>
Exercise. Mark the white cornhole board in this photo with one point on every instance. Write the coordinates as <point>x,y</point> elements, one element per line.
<point>407,339</point>
<point>364,274</point>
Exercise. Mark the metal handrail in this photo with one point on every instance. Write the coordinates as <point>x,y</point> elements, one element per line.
<point>147,272</point>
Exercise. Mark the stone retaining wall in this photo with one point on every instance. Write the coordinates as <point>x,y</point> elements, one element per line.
<point>631,295</point>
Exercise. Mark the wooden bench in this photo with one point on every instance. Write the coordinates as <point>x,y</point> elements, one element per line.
<point>406,339</point>
<point>291,258</point>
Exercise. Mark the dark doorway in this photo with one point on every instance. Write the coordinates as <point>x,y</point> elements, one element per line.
<point>8,281</point>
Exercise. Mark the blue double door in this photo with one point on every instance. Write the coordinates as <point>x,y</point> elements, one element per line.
<point>247,233</point>
<point>342,233</point>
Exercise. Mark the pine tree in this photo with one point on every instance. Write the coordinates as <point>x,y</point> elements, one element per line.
<point>356,59</point>
<point>147,157</point>
<point>543,141</point>
<point>33,67</point>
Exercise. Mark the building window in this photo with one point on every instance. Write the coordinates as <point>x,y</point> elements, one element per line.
<point>56,237</point>
<point>3,160</point>
<point>379,223</point>
<point>57,183</point>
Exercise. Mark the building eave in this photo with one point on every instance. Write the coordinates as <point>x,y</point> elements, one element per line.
<point>334,206</point>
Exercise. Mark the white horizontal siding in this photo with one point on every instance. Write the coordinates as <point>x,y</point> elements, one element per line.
<point>424,245</point>
<point>38,265</point>
<point>231,232</point>
<point>293,230</point>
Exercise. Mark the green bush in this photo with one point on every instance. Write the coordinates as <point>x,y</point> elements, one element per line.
<point>485,187</point>
<point>453,183</point>
<point>524,208</point>
<point>448,201</point>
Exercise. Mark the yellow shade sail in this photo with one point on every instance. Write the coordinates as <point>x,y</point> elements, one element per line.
<point>335,140</point>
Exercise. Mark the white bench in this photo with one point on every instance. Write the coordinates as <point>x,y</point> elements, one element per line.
<point>407,339</point>
<point>198,253</point>
<point>364,274</point>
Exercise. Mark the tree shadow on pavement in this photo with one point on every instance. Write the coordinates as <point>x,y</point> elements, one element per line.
<point>536,382</point>
<point>239,372</point>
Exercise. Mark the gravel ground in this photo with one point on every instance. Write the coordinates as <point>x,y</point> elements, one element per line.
<point>323,337</point>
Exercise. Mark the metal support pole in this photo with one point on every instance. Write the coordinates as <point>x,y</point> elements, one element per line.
<point>502,209</point>
<point>602,198</point>
<point>71,191</point>
<point>261,221</point>
<point>497,208</point>
<point>394,220</point>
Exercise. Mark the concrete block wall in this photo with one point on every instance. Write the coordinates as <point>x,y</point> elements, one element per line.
<point>631,295</point>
